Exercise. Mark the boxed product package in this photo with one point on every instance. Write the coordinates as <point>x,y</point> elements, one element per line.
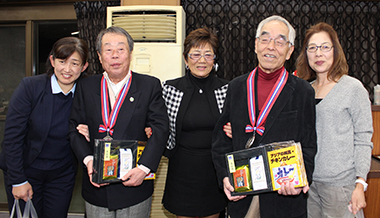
<point>115,158</point>
<point>266,167</point>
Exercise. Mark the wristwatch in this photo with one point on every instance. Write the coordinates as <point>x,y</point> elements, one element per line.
<point>365,185</point>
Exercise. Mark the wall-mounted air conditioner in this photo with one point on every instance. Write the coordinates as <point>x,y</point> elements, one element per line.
<point>158,33</point>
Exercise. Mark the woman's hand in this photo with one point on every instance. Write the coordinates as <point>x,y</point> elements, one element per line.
<point>83,129</point>
<point>358,198</point>
<point>228,129</point>
<point>23,192</point>
<point>148,132</point>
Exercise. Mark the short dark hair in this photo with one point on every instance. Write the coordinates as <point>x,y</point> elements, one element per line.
<point>115,30</point>
<point>198,38</point>
<point>339,66</point>
<point>64,48</point>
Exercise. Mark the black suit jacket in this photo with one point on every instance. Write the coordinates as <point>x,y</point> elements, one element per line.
<point>143,106</point>
<point>27,126</point>
<point>291,118</point>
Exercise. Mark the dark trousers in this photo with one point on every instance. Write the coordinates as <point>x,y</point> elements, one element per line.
<point>52,190</point>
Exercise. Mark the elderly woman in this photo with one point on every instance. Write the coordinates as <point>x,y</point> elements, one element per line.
<point>343,123</point>
<point>194,105</point>
<point>36,158</point>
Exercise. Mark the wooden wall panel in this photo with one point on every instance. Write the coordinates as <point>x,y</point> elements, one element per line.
<point>150,2</point>
<point>376,129</point>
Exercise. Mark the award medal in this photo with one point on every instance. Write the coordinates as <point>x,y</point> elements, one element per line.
<point>109,119</point>
<point>252,104</point>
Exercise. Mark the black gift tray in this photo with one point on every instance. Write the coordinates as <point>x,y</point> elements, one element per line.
<point>115,146</point>
<point>243,157</point>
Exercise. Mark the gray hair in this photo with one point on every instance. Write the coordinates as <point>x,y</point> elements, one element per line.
<point>115,30</point>
<point>292,32</point>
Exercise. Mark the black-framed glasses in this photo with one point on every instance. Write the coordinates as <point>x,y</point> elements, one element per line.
<point>279,42</point>
<point>325,47</point>
<point>197,56</point>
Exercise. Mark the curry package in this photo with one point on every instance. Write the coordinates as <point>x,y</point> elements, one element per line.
<point>266,167</point>
<point>115,158</point>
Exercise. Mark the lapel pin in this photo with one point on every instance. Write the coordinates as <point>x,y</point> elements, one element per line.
<point>131,99</point>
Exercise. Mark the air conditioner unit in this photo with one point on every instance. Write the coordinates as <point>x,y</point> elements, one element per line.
<point>158,33</point>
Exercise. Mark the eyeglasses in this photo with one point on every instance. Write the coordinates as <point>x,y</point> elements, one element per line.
<point>279,42</point>
<point>325,47</point>
<point>197,56</point>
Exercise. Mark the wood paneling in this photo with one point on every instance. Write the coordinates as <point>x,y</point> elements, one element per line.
<point>376,129</point>
<point>150,2</point>
<point>39,12</point>
<point>373,198</point>
<point>372,194</point>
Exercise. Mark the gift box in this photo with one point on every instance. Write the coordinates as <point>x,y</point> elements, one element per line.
<point>115,158</point>
<point>267,166</point>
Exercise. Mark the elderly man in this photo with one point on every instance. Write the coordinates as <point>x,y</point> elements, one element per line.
<point>136,101</point>
<point>284,107</point>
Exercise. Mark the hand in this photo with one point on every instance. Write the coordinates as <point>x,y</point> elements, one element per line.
<point>287,188</point>
<point>358,199</point>
<point>228,189</point>
<point>83,129</point>
<point>134,177</point>
<point>23,192</point>
<point>148,132</point>
<point>90,171</point>
<point>228,129</point>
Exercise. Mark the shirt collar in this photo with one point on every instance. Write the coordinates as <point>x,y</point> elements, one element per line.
<point>56,89</point>
<point>121,82</point>
<point>117,87</point>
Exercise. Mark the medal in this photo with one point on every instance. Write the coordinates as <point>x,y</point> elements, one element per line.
<point>257,123</point>
<point>109,119</point>
<point>108,137</point>
<point>251,140</point>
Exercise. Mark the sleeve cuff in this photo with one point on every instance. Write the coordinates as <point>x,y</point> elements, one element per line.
<point>144,168</point>
<point>17,185</point>
<point>87,159</point>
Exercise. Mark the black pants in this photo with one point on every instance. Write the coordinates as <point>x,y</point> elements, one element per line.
<point>52,190</point>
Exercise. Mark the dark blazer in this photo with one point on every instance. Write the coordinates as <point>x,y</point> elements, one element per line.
<point>143,106</point>
<point>27,126</point>
<point>177,94</point>
<point>291,118</point>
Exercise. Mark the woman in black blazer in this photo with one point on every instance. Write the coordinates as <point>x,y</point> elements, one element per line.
<point>36,157</point>
<point>194,104</point>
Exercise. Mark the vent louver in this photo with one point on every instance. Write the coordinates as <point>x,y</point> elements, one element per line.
<point>147,26</point>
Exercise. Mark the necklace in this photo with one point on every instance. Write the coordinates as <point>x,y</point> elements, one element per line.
<point>320,87</point>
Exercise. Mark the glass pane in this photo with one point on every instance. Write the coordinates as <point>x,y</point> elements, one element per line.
<point>12,62</point>
<point>46,34</point>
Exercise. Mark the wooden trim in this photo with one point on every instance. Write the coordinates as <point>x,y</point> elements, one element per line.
<point>375,107</point>
<point>372,197</point>
<point>38,2</point>
<point>29,48</point>
<point>150,2</point>
<point>23,13</point>
<point>3,206</point>
<point>376,130</point>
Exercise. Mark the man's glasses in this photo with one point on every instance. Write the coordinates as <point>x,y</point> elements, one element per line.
<point>197,56</point>
<point>279,42</point>
<point>325,47</point>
